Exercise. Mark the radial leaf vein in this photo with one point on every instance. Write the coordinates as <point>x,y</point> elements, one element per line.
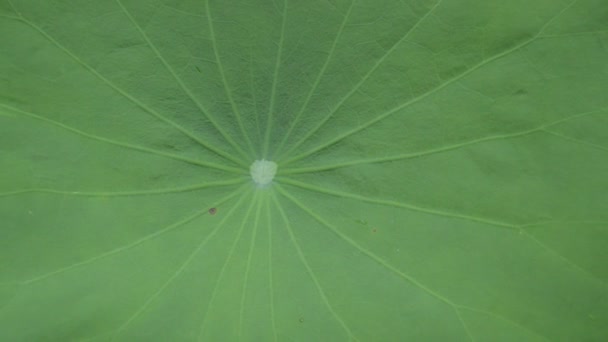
<point>129,96</point>
<point>182,85</point>
<point>235,108</point>
<point>502,318</point>
<point>309,269</point>
<point>10,3</point>
<point>378,63</point>
<point>578,141</point>
<point>420,97</point>
<point>123,144</point>
<point>177,272</point>
<point>270,274</point>
<point>275,81</point>
<point>225,264</point>
<point>130,245</point>
<point>314,86</point>
<point>463,323</point>
<point>562,258</point>
<point>368,253</point>
<point>187,188</point>
<point>254,98</point>
<point>343,194</point>
<point>256,224</point>
<point>541,128</point>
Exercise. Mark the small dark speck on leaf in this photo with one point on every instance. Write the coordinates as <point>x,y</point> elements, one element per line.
<point>212,211</point>
<point>301,320</point>
<point>199,70</point>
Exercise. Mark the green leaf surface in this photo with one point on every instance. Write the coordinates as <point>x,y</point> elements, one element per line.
<point>442,170</point>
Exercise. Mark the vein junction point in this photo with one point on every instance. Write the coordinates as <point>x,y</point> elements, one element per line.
<point>263,171</point>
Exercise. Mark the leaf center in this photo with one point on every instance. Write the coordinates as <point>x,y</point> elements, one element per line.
<point>263,171</point>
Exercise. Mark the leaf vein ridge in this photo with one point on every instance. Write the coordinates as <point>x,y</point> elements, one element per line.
<point>274,83</point>
<point>397,204</point>
<point>309,270</point>
<point>372,255</point>
<point>317,80</point>
<point>540,128</point>
<point>424,95</point>
<point>220,65</point>
<point>362,81</point>
<point>129,97</point>
<point>127,246</point>
<point>125,193</point>
<point>123,144</point>
<point>181,83</point>
<point>225,264</point>
<point>175,274</point>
